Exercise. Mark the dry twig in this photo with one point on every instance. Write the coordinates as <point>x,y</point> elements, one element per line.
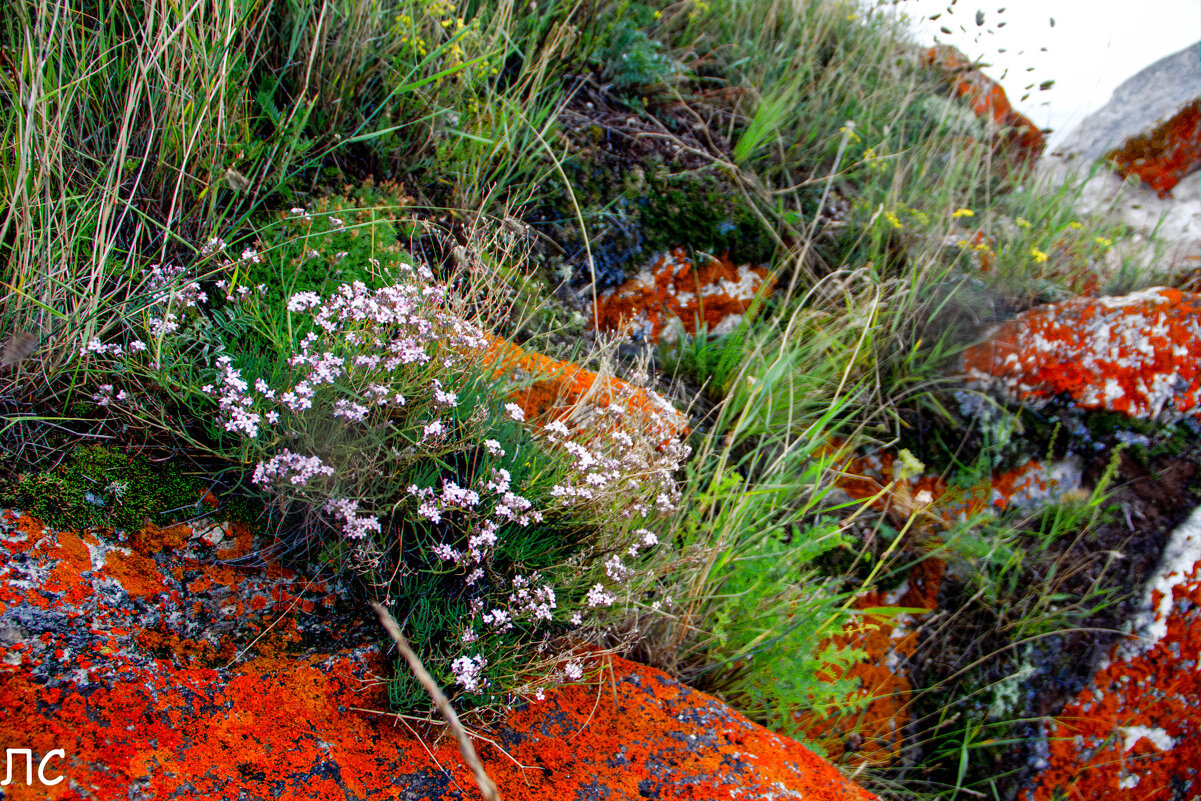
<point>487,786</point>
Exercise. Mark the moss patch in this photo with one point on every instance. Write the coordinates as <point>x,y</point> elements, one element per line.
<point>97,486</point>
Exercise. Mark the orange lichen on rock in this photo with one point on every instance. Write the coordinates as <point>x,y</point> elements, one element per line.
<point>1013,134</point>
<point>874,476</point>
<point>1139,354</point>
<point>1136,732</point>
<point>556,390</point>
<point>151,538</point>
<point>716,293</point>
<point>1164,155</point>
<point>874,732</point>
<point>157,715</point>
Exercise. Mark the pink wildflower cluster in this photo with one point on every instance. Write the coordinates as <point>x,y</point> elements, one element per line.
<point>233,399</point>
<point>609,464</point>
<point>484,509</point>
<point>467,671</point>
<point>291,468</point>
<point>366,344</point>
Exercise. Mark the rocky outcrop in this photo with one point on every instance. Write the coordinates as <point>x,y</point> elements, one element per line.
<point>173,672</point>
<point>1139,354</point>
<point>1164,155</point>
<point>1148,102</point>
<point>1014,137</point>
<point>1136,731</point>
<point>1153,94</point>
<point>554,390</point>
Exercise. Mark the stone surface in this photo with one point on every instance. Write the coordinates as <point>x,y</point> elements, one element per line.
<point>892,621</point>
<point>1164,155</point>
<point>1145,100</point>
<point>1139,354</point>
<point>1136,732</point>
<point>558,390</point>
<point>672,288</point>
<point>1150,95</point>
<point>873,733</point>
<point>172,674</point>
<point>1019,141</point>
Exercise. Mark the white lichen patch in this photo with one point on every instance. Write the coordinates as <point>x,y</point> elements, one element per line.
<point>1158,737</point>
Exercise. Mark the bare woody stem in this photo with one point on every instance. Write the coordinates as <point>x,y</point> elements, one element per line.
<point>487,786</point>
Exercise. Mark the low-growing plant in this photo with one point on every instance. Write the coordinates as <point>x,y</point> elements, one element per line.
<point>382,416</point>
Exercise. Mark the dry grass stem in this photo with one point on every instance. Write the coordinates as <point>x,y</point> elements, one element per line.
<point>487,786</point>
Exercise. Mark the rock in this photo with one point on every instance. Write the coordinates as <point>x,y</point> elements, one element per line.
<point>716,293</point>
<point>1136,731</point>
<point>1151,95</point>
<point>1028,485</point>
<point>208,681</point>
<point>1019,141</point>
<point>558,390</point>
<point>1136,108</point>
<point>1166,154</point>
<point>873,732</point>
<point>1139,354</point>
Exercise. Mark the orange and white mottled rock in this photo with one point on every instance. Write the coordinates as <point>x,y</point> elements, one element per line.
<point>715,292</point>
<point>874,732</point>
<point>1029,484</point>
<point>1136,731</point>
<point>197,690</point>
<point>1139,354</point>
<point>1014,136</point>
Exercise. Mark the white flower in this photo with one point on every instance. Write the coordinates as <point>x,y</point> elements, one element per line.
<point>467,670</point>
<point>599,596</point>
<point>574,670</point>
<point>515,411</point>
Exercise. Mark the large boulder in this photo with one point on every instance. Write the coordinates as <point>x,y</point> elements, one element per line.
<point>1136,731</point>
<point>192,670</point>
<point>1139,354</point>
<point>1150,108</point>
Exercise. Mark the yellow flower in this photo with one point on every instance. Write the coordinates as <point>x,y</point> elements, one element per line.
<point>849,131</point>
<point>1039,256</point>
<point>892,218</point>
<point>1075,226</point>
<point>1104,242</point>
<point>963,213</point>
<point>1023,222</point>
<point>658,14</point>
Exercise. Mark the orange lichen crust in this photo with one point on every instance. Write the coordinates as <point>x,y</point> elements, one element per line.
<point>1139,354</point>
<point>1136,732</point>
<point>555,390</point>
<point>297,723</point>
<point>1164,155</point>
<point>868,476</point>
<point>1013,134</point>
<point>874,732</point>
<point>715,292</point>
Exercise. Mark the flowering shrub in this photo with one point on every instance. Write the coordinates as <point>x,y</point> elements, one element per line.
<point>382,416</point>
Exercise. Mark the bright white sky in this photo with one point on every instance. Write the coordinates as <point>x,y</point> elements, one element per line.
<point>1094,46</point>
